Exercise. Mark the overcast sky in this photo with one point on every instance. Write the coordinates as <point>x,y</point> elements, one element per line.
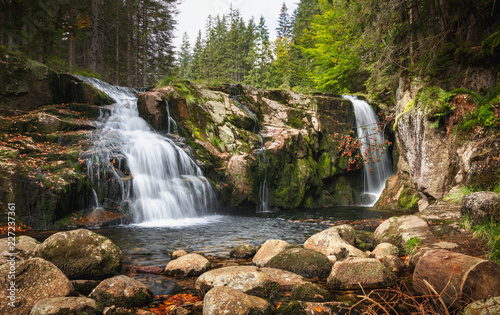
<point>193,14</point>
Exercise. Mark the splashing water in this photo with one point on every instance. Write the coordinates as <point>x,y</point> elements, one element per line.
<point>370,137</point>
<point>140,170</point>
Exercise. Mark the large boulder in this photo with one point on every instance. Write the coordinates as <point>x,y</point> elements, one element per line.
<point>25,248</point>
<point>248,279</point>
<point>268,250</point>
<point>189,265</point>
<point>82,254</point>
<point>122,291</point>
<point>305,262</point>
<point>331,242</point>
<point>33,280</point>
<point>350,274</point>
<point>243,251</point>
<point>65,305</point>
<point>399,230</point>
<point>224,300</point>
<point>481,206</point>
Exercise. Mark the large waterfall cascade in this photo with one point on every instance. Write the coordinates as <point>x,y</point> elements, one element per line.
<point>371,136</point>
<point>164,185</point>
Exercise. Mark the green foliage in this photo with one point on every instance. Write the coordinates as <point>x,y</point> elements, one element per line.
<point>412,244</point>
<point>489,231</point>
<point>456,196</point>
<point>484,115</point>
<point>87,72</point>
<point>435,101</point>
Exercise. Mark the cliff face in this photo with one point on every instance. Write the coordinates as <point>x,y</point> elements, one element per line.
<point>228,127</point>
<point>446,143</point>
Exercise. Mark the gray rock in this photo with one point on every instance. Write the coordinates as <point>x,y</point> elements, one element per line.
<point>243,251</point>
<point>189,265</point>
<point>25,247</point>
<point>35,279</point>
<point>303,261</point>
<point>384,249</point>
<point>489,306</point>
<point>398,230</point>
<point>268,250</point>
<point>330,242</point>
<point>247,279</point>
<point>353,272</point>
<point>224,300</point>
<point>82,254</point>
<point>481,206</point>
<point>65,305</point>
<point>122,291</point>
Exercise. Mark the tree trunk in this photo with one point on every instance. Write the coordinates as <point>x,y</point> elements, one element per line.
<point>457,278</point>
<point>117,43</point>
<point>96,60</point>
<point>144,44</point>
<point>130,20</point>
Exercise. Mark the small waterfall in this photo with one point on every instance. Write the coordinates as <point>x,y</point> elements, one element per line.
<point>154,178</point>
<point>379,167</point>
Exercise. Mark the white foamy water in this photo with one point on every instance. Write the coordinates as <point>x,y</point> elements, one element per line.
<point>165,187</point>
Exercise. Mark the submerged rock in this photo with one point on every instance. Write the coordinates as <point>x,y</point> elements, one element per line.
<point>268,250</point>
<point>330,242</point>
<point>35,279</point>
<point>248,279</point>
<point>356,273</point>
<point>224,300</point>
<point>65,305</point>
<point>243,251</point>
<point>122,291</point>
<point>82,254</point>
<point>481,206</point>
<point>305,262</point>
<point>189,265</point>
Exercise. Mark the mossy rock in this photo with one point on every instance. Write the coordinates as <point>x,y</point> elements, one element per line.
<point>302,261</point>
<point>408,199</point>
<point>309,292</point>
<point>82,254</point>
<point>243,251</point>
<point>122,291</point>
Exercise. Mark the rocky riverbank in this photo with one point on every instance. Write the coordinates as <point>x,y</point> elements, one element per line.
<point>333,272</point>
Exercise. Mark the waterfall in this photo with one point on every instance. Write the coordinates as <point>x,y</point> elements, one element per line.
<point>379,167</point>
<point>155,179</point>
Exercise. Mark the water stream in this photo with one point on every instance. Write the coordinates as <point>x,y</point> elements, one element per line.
<point>154,178</point>
<point>379,167</point>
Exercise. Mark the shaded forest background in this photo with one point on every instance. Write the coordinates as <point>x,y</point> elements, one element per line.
<point>336,46</point>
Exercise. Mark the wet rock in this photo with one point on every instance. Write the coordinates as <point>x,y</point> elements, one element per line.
<point>238,172</point>
<point>248,279</point>
<point>330,242</point>
<point>224,300</point>
<point>369,273</point>
<point>305,262</point>
<point>398,230</point>
<point>189,265</point>
<point>309,292</point>
<point>178,253</point>
<point>268,250</point>
<point>489,306</point>
<point>153,109</point>
<point>35,279</point>
<point>243,251</point>
<point>82,254</point>
<point>122,291</point>
<point>25,247</point>
<point>65,305</point>
<point>481,206</point>
<point>384,249</point>
<point>84,287</point>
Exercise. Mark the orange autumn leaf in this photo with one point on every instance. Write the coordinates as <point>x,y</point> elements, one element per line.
<point>318,309</point>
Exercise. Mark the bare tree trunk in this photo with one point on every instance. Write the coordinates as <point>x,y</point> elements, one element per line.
<point>145,44</point>
<point>130,20</point>
<point>96,61</point>
<point>117,43</point>
<point>137,45</point>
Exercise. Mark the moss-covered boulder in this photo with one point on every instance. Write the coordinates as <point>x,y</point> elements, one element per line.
<point>309,292</point>
<point>243,251</point>
<point>65,305</point>
<point>305,262</point>
<point>224,300</point>
<point>35,279</point>
<point>356,273</point>
<point>481,206</point>
<point>82,254</point>
<point>122,291</point>
<point>189,265</point>
<point>268,250</point>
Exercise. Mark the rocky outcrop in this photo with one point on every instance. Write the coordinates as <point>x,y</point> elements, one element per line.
<point>223,300</point>
<point>35,279</point>
<point>481,206</point>
<point>248,279</point>
<point>268,250</point>
<point>331,243</point>
<point>301,136</point>
<point>122,291</point>
<point>65,305</point>
<point>189,265</point>
<point>356,273</point>
<point>305,262</point>
<point>82,254</point>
